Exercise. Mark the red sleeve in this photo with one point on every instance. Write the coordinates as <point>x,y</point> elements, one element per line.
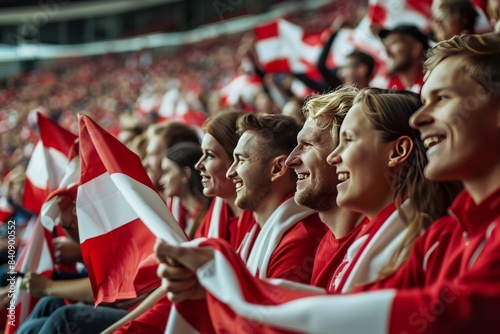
<point>152,321</point>
<point>293,259</point>
<point>467,303</point>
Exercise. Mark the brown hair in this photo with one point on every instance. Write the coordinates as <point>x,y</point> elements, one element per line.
<point>222,127</point>
<point>277,133</point>
<point>389,113</point>
<point>465,9</point>
<point>172,133</point>
<point>481,58</point>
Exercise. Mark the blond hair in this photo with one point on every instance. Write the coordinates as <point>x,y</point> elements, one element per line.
<point>329,110</point>
<point>481,58</point>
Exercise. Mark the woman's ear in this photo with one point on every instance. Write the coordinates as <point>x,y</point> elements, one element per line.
<point>278,167</point>
<point>401,150</point>
<point>187,173</point>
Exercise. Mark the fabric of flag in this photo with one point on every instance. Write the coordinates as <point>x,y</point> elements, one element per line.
<point>119,216</point>
<point>35,258</point>
<point>241,89</point>
<point>227,282</point>
<point>6,210</point>
<point>282,46</point>
<point>388,14</point>
<point>48,162</point>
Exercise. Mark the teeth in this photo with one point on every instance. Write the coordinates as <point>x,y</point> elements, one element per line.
<point>238,185</point>
<point>431,141</point>
<point>302,176</point>
<point>343,176</point>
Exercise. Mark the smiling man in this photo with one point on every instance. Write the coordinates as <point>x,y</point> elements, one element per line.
<point>451,282</point>
<point>289,234</point>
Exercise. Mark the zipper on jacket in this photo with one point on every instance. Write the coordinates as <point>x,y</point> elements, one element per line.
<point>465,234</point>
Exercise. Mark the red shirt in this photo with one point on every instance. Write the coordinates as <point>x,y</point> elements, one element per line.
<point>395,83</point>
<point>451,282</point>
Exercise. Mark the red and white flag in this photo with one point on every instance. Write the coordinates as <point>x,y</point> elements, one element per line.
<point>6,210</point>
<point>241,89</point>
<point>388,14</point>
<point>48,162</point>
<point>35,258</point>
<point>235,297</point>
<point>284,47</point>
<point>119,216</point>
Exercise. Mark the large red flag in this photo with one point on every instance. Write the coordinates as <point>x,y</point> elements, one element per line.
<point>119,214</point>
<point>48,162</point>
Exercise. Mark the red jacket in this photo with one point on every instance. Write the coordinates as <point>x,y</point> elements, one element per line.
<point>452,281</point>
<point>451,284</point>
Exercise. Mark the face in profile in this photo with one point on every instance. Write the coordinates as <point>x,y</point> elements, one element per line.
<point>213,166</point>
<point>250,175</point>
<point>446,23</point>
<point>316,188</point>
<point>361,162</point>
<point>459,124</point>
<point>152,161</point>
<point>173,180</point>
<point>399,48</point>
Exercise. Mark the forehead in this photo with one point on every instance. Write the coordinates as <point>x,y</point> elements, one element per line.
<point>246,142</point>
<point>167,163</point>
<point>155,145</point>
<point>209,142</point>
<point>355,118</point>
<point>313,130</point>
<point>449,74</point>
<point>396,37</point>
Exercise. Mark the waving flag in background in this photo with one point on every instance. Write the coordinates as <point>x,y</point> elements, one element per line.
<point>284,47</point>
<point>48,162</point>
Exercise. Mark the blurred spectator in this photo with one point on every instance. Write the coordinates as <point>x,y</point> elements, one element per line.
<point>453,17</point>
<point>494,13</point>
<point>357,69</point>
<point>405,46</point>
<point>160,138</point>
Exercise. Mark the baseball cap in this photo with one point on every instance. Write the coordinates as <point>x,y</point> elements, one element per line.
<point>406,29</point>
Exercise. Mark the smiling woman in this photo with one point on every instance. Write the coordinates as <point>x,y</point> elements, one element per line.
<point>380,160</point>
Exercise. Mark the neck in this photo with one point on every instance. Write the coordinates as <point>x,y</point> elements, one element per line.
<point>340,221</point>
<point>268,206</point>
<point>190,202</point>
<point>233,208</point>
<point>482,186</point>
<point>362,83</point>
<point>409,76</point>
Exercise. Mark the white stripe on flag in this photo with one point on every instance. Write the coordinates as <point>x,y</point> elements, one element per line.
<point>100,201</point>
<point>150,208</point>
<point>55,162</point>
<point>357,313</point>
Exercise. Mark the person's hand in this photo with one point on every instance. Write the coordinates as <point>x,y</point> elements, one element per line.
<point>190,257</point>
<point>36,285</point>
<point>66,250</point>
<point>180,283</point>
<point>339,22</point>
<point>4,296</point>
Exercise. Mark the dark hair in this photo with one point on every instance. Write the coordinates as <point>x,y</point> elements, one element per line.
<point>464,8</point>
<point>222,127</point>
<point>389,113</point>
<point>173,132</point>
<point>187,154</point>
<point>277,133</point>
<point>363,58</point>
